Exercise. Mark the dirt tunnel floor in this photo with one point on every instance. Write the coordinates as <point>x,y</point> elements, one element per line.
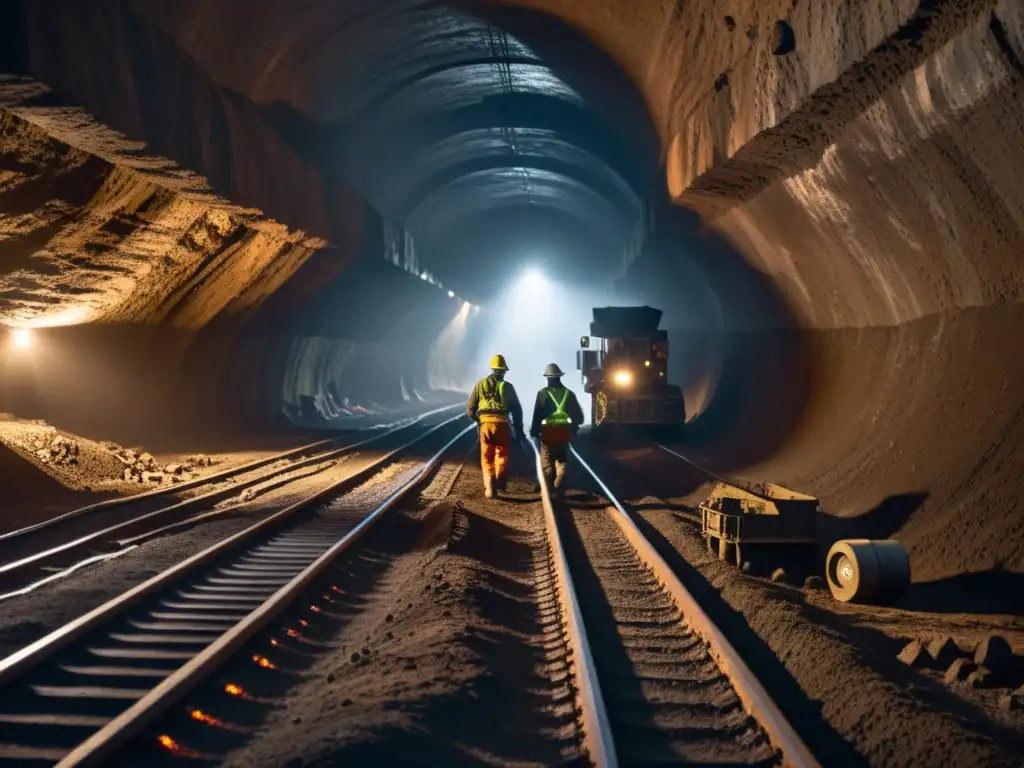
<point>447,657</point>
<point>833,661</point>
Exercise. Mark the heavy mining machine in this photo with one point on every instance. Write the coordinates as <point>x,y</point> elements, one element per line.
<point>624,362</point>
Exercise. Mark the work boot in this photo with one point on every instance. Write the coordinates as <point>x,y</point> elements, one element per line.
<point>489,486</point>
<point>500,484</point>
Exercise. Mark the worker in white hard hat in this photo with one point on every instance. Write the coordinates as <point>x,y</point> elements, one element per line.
<point>557,417</point>
<point>494,405</point>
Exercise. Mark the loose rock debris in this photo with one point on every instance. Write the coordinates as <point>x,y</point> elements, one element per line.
<point>144,468</point>
<point>82,464</point>
<point>991,664</point>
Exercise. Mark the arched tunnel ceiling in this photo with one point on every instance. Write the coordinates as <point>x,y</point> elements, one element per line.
<point>474,193</point>
<point>483,150</point>
<point>438,113</point>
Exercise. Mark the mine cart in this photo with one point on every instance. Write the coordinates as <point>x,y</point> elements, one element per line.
<point>747,524</point>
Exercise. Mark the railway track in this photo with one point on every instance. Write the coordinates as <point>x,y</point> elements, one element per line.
<point>658,682</point>
<point>40,553</point>
<point>85,691</point>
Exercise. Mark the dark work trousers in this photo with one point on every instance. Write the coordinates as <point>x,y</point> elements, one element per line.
<point>554,451</point>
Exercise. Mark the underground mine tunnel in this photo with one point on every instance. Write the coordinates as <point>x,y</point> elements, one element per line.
<point>230,230</point>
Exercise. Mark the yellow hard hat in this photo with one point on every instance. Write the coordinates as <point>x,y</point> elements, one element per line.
<point>498,363</point>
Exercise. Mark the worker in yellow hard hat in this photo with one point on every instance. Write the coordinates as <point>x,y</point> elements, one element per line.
<point>557,417</point>
<point>494,405</point>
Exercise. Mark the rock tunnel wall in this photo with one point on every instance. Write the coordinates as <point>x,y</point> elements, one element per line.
<point>159,309</point>
<point>886,211</point>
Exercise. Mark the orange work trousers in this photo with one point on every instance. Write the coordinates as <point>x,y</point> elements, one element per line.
<point>495,437</point>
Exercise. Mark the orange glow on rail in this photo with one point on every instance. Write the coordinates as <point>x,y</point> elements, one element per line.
<point>235,690</point>
<point>294,633</point>
<point>264,662</point>
<point>274,642</point>
<point>315,608</point>
<point>303,622</point>
<point>175,748</point>
<point>202,717</point>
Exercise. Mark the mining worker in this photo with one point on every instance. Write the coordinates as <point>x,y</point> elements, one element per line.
<point>557,417</point>
<point>494,405</point>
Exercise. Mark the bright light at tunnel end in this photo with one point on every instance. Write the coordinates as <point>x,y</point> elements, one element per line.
<point>533,279</point>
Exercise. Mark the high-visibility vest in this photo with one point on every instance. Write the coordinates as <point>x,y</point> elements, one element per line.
<point>559,418</point>
<point>492,399</point>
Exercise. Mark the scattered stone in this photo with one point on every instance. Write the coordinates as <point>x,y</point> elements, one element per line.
<point>995,653</point>
<point>979,678</point>
<point>1011,702</point>
<point>331,677</point>
<point>944,651</point>
<point>366,651</point>
<point>147,460</point>
<point>779,576</point>
<point>152,477</point>
<point>389,618</point>
<point>173,469</point>
<point>730,23</point>
<point>389,635</point>
<point>410,664</point>
<point>747,567</point>
<point>446,613</point>
<point>915,655</point>
<point>347,703</point>
<point>296,720</point>
<point>816,583</point>
<point>959,671</point>
<point>354,658</point>
<point>128,476</point>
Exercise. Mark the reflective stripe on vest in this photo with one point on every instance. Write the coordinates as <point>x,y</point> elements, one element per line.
<point>559,418</point>
<point>491,401</point>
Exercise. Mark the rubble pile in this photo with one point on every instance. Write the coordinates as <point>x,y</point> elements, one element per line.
<point>144,468</point>
<point>989,664</point>
<point>57,450</point>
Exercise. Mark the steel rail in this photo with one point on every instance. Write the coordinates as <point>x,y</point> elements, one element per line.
<point>756,700</point>
<point>31,655</point>
<point>597,732</point>
<point>38,559</point>
<point>223,475</point>
<point>104,743</point>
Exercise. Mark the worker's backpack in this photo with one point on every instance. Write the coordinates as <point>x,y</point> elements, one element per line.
<point>492,396</point>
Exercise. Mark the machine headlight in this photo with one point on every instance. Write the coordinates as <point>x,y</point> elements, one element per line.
<point>622,378</point>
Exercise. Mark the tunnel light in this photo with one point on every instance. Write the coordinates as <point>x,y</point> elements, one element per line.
<point>647,363</point>
<point>451,294</point>
<point>533,280</point>
<point>21,338</point>
<point>622,378</point>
